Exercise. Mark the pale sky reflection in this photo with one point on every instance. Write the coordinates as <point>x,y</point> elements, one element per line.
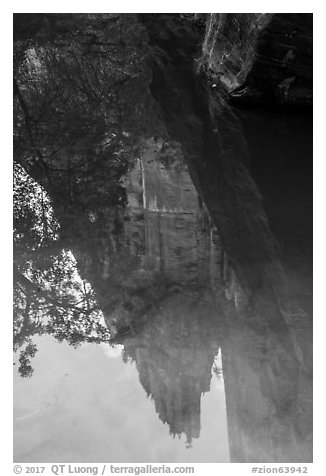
<point>82,407</point>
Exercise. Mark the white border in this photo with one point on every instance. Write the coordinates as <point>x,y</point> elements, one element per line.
<point>318,8</point>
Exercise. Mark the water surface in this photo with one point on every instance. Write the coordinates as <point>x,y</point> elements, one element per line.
<point>86,405</point>
<point>132,343</point>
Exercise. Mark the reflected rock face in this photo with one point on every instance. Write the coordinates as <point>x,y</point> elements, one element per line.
<point>169,238</point>
<point>173,341</point>
<point>178,234</point>
<point>268,397</point>
<point>159,294</point>
<point>268,391</point>
<point>174,353</point>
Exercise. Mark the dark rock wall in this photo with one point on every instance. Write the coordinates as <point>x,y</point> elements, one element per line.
<point>211,135</point>
<point>282,71</point>
<point>268,398</point>
<point>261,58</point>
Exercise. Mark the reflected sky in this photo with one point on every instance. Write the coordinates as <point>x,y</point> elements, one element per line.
<point>86,405</point>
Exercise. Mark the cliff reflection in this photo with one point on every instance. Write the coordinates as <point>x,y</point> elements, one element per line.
<point>174,353</point>
<point>155,267</point>
<point>268,395</point>
<point>174,339</point>
<point>267,391</point>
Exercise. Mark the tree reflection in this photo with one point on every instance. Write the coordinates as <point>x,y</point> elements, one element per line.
<point>57,302</point>
<point>75,95</point>
<point>79,82</point>
<point>49,295</point>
